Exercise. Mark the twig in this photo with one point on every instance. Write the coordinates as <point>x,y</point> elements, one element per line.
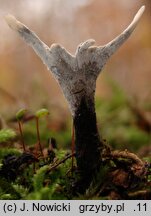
<point>60,162</point>
<point>145,194</point>
<point>127,155</point>
<point>141,120</point>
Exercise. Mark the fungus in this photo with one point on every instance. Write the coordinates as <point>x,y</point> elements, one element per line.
<point>77,75</point>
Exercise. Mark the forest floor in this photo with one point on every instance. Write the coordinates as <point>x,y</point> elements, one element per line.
<point>36,160</point>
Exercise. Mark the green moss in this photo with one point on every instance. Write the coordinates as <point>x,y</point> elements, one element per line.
<point>39,177</point>
<point>7,135</point>
<point>7,190</point>
<point>6,151</point>
<point>20,114</point>
<point>41,113</point>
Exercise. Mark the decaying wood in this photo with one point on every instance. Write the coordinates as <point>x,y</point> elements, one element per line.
<point>77,75</point>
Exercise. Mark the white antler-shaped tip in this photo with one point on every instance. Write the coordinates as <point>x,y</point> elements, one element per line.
<point>139,13</point>
<point>113,45</point>
<point>30,37</point>
<point>13,22</point>
<point>137,17</point>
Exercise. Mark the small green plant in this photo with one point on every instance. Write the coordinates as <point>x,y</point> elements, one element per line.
<point>19,116</point>
<point>40,113</point>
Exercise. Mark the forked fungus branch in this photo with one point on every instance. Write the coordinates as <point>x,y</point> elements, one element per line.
<point>77,75</point>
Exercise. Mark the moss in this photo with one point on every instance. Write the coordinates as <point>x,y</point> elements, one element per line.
<point>7,190</point>
<point>7,135</point>
<point>8,151</point>
<point>117,123</point>
<point>39,178</point>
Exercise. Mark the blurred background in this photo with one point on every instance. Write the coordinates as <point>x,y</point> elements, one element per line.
<point>123,88</point>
